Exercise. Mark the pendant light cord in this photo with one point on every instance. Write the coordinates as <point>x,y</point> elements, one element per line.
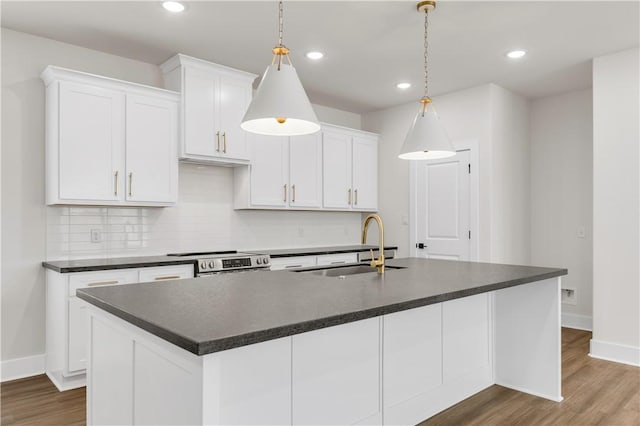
<point>280,22</point>
<point>426,52</point>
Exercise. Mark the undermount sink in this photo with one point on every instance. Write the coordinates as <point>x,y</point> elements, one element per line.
<point>342,271</point>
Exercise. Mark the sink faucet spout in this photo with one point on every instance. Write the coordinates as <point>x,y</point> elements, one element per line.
<point>379,262</point>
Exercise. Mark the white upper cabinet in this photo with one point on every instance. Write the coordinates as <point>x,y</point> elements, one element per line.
<point>350,169</point>
<point>89,145</point>
<point>305,171</point>
<point>109,142</point>
<point>151,156</point>
<point>214,100</point>
<point>285,173</point>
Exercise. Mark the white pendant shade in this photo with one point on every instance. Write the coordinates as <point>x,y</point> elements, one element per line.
<point>427,139</point>
<point>280,96</point>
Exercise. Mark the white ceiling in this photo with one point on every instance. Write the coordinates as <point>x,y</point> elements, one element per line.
<point>369,46</point>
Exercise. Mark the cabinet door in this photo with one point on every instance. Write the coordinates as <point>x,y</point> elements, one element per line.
<point>336,170</point>
<point>201,128</point>
<point>412,354</point>
<point>465,336</point>
<point>292,262</point>
<point>234,98</point>
<point>91,161</point>
<point>336,375</point>
<point>305,170</point>
<point>78,320</point>
<point>151,150</point>
<point>166,273</point>
<point>269,166</point>
<point>365,173</point>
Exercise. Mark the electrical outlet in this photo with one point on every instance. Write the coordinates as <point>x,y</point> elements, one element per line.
<point>569,296</point>
<point>96,236</point>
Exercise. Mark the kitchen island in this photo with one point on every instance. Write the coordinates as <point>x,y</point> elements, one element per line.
<point>289,347</point>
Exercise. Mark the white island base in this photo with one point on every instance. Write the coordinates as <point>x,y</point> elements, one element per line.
<point>400,368</point>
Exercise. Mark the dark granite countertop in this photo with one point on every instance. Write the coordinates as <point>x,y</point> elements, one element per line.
<point>220,312</point>
<point>317,251</point>
<point>84,265</point>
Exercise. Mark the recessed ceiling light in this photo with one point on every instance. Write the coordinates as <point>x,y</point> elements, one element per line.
<point>516,54</point>
<point>403,86</point>
<point>315,55</point>
<point>173,6</point>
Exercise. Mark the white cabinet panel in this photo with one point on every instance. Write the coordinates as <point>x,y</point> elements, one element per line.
<point>336,374</point>
<point>337,259</point>
<point>77,335</point>
<point>201,127</point>
<point>165,392</point>
<point>465,336</point>
<point>151,150</point>
<point>269,167</point>
<point>412,353</point>
<point>305,170</point>
<point>365,173</point>
<point>292,262</point>
<point>336,157</point>
<point>234,99</point>
<point>110,388</point>
<point>165,273</point>
<point>90,142</point>
<point>98,278</point>
<point>253,384</point>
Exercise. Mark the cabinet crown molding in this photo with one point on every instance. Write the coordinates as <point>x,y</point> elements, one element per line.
<point>184,60</point>
<point>53,73</point>
<point>343,129</point>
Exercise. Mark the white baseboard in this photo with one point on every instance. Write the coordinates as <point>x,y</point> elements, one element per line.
<point>615,352</point>
<point>19,368</point>
<point>580,322</point>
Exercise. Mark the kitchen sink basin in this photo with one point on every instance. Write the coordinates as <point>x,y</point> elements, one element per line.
<point>343,271</point>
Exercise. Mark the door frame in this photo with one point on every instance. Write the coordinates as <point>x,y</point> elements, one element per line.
<point>470,145</point>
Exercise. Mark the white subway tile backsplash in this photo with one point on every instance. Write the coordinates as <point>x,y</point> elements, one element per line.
<point>203,219</point>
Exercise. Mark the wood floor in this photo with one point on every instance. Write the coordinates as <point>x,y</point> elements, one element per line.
<point>596,392</point>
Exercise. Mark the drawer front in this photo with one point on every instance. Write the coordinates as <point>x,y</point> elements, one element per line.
<point>292,262</point>
<point>337,259</point>
<point>166,273</point>
<point>98,278</point>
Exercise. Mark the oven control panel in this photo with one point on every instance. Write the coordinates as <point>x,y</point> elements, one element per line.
<point>233,263</point>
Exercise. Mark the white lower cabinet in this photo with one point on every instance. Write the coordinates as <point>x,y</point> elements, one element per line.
<point>294,262</point>
<point>336,375</point>
<point>434,357</point>
<point>66,326</point>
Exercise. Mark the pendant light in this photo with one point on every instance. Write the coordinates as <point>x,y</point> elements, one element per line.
<point>427,138</point>
<point>280,106</point>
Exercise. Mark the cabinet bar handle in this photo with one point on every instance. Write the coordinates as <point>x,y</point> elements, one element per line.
<point>356,196</point>
<point>102,283</point>
<point>115,184</point>
<point>293,266</point>
<point>130,183</point>
<point>218,141</point>
<point>349,196</point>
<point>224,142</point>
<point>339,262</point>
<point>167,277</point>
<point>285,193</point>
<point>293,189</point>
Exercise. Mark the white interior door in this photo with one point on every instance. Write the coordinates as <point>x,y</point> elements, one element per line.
<point>443,208</point>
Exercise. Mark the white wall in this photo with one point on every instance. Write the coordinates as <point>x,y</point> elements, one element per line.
<point>495,123</point>
<point>561,195</point>
<point>616,207</point>
<point>31,232</point>
<point>510,178</point>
